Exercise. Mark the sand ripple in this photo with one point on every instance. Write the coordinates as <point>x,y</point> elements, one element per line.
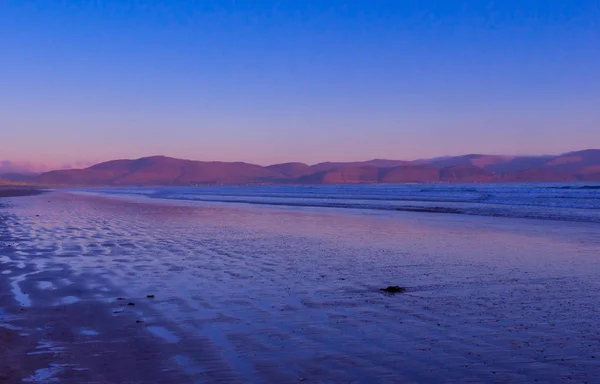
<point>287,295</point>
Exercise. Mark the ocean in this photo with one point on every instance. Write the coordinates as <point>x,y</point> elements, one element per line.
<point>569,202</point>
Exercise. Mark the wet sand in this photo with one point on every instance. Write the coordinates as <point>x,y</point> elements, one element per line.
<point>7,191</point>
<point>259,294</point>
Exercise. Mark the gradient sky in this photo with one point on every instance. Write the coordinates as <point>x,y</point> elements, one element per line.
<point>274,81</point>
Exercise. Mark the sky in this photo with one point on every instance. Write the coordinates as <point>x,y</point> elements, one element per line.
<point>277,81</point>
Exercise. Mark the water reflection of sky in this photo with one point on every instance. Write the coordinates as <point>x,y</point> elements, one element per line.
<point>292,281</point>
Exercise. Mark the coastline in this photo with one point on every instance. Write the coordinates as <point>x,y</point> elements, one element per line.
<point>245,294</point>
<point>19,191</point>
<point>71,334</point>
<point>548,201</point>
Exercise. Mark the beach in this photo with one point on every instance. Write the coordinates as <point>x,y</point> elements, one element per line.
<point>111,288</point>
<point>6,191</point>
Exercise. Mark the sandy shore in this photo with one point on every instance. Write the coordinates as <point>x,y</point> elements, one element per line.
<point>49,334</point>
<point>243,294</point>
<point>7,191</point>
<point>44,344</point>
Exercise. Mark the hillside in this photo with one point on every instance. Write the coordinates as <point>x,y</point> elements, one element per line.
<point>291,170</point>
<point>410,173</point>
<point>161,170</point>
<point>379,163</point>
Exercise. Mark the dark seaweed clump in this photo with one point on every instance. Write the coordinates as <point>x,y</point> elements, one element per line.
<point>393,289</point>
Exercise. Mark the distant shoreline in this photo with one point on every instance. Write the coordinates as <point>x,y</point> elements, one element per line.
<point>580,166</point>
<point>209,185</point>
<point>7,191</point>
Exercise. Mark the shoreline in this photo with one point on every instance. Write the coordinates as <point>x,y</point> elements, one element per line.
<point>55,327</point>
<point>236,294</point>
<point>573,203</point>
<point>14,191</point>
<point>312,185</point>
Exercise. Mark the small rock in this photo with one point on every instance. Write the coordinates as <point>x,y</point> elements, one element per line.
<point>393,289</point>
<point>139,321</point>
<point>120,298</point>
<point>131,304</point>
<point>150,296</point>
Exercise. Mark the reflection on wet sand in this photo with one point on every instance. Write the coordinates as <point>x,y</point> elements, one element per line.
<point>259,294</point>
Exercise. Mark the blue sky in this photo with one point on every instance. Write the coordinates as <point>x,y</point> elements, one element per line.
<point>267,81</point>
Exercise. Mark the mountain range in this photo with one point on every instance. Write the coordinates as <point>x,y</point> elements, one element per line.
<point>160,170</point>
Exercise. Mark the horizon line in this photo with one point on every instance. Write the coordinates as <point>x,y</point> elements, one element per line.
<point>93,163</point>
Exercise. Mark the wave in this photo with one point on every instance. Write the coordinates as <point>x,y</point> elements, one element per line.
<point>578,187</point>
<point>565,202</point>
<point>544,214</point>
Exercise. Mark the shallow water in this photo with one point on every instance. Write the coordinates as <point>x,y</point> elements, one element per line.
<point>549,201</point>
<point>278,294</point>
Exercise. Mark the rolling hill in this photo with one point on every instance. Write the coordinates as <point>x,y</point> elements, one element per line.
<point>161,170</point>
